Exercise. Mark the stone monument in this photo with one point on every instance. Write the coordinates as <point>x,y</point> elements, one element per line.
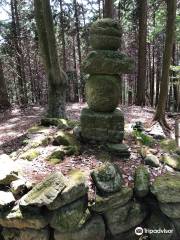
<point>102,121</point>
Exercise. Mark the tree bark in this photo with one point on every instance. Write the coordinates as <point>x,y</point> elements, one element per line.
<point>141,80</point>
<point>4,101</point>
<point>170,30</point>
<point>56,77</point>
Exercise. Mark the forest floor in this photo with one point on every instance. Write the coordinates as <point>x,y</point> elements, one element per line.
<point>14,126</point>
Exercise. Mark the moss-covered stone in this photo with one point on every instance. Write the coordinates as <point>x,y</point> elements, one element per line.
<point>172,210</point>
<point>15,218</point>
<point>59,122</point>
<point>107,62</point>
<point>104,127</point>
<point>152,160</point>
<point>30,154</point>
<point>45,192</point>
<point>57,156</point>
<point>104,42</point>
<point>76,188</point>
<point>36,129</point>
<point>103,93</point>
<point>121,150</point>
<point>69,141</point>
<point>106,26</point>
<point>18,187</point>
<point>124,218</point>
<point>172,160</point>
<point>169,145</point>
<point>70,217</point>
<point>141,181</point>
<point>103,204</point>
<point>93,229</point>
<point>167,188</point>
<point>107,178</point>
<point>159,221</point>
<point>27,234</point>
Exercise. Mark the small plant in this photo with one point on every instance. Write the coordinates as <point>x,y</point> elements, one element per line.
<point>143,138</point>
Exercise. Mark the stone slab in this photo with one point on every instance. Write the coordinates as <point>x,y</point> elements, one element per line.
<point>103,127</point>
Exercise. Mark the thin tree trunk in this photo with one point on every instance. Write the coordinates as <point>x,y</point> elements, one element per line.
<point>141,81</point>
<point>4,101</point>
<point>170,30</point>
<point>108,9</point>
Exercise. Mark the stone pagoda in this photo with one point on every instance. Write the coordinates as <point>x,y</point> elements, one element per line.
<point>102,121</point>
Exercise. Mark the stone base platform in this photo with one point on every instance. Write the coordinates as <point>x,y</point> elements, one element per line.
<point>102,127</point>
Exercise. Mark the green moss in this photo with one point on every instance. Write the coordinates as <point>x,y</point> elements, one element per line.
<point>106,26</point>
<point>35,129</point>
<point>104,42</point>
<point>172,160</point>
<point>103,93</point>
<point>141,181</point>
<point>59,122</point>
<point>30,154</point>
<point>69,140</point>
<point>168,145</point>
<point>107,62</point>
<point>77,175</point>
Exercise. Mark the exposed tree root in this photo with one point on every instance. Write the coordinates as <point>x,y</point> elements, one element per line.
<point>165,126</point>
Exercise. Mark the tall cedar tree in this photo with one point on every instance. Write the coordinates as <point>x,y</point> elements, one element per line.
<point>56,77</point>
<point>141,79</point>
<point>170,33</point>
<point>4,102</point>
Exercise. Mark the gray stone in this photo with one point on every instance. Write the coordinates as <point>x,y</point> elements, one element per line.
<point>107,62</point>
<point>70,217</point>
<point>122,219</point>
<point>107,178</point>
<point>158,221</point>
<point>141,181</point>
<point>152,160</point>
<point>76,188</point>
<point>45,192</point>
<point>6,199</point>
<point>93,229</point>
<point>172,210</point>
<point>103,92</point>
<point>15,218</point>
<point>27,234</point>
<point>103,127</point>
<point>105,203</point>
<point>104,42</point>
<point>176,223</point>
<point>121,150</point>
<point>172,160</point>
<point>167,188</point>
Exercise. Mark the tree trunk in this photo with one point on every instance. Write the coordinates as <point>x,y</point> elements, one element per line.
<point>141,80</point>
<point>108,9</point>
<point>170,30</point>
<point>56,77</point>
<point>4,101</point>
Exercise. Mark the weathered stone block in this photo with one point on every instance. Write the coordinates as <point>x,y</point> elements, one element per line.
<point>15,218</point>
<point>121,150</point>
<point>93,229</point>
<point>45,192</point>
<point>167,188</point>
<point>107,178</point>
<point>105,203</point>
<point>122,219</point>
<point>70,217</point>
<point>107,62</point>
<point>6,199</point>
<point>141,181</point>
<point>105,127</point>
<point>104,42</point>
<point>172,210</point>
<point>103,92</point>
